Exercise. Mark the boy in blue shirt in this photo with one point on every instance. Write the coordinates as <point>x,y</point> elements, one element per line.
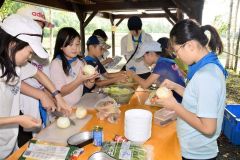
<point>96,46</point>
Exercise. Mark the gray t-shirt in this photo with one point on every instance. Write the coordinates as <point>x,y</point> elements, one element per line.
<point>204,96</point>
<point>9,106</point>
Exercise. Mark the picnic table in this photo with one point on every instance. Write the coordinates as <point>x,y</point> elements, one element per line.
<point>163,140</point>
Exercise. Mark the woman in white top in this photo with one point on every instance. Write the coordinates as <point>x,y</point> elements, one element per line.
<point>20,37</point>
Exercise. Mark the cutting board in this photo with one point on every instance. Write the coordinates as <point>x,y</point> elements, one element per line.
<point>58,135</point>
<point>90,99</point>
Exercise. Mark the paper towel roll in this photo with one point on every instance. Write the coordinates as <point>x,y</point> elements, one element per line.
<point>138,125</point>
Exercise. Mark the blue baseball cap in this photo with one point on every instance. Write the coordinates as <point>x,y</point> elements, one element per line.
<point>97,40</point>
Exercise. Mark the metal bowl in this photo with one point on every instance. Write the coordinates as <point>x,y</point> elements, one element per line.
<point>80,139</point>
<point>100,156</point>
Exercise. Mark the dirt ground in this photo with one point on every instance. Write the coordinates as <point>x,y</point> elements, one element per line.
<point>228,151</point>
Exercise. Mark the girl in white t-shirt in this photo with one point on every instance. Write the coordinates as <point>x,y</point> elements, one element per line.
<point>66,66</point>
<point>20,37</point>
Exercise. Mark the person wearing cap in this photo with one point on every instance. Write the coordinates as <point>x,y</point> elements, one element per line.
<point>66,67</point>
<point>96,46</point>
<point>130,45</point>
<point>104,59</point>
<point>166,48</point>
<point>16,46</point>
<point>165,67</point>
<point>37,14</point>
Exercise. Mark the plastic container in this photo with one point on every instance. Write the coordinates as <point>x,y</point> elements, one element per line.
<point>164,116</point>
<point>231,123</point>
<point>120,97</point>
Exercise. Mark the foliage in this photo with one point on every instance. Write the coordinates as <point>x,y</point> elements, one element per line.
<point>9,7</point>
<point>221,25</point>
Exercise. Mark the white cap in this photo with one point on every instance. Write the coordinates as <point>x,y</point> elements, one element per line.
<point>35,13</point>
<point>27,30</point>
<point>149,47</point>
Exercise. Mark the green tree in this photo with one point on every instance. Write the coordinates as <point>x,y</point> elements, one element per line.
<point>9,7</point>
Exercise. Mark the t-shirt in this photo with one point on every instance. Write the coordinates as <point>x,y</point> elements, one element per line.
<point>204,96</point>
<point>138,65</point>
<point>167,69</point>
<point>59,79</point>
<point>95,62</point>
<point>9,106</point>
<point>29,105</point>
<point>100,68</point>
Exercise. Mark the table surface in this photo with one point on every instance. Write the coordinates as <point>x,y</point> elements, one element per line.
<point>164,138</point>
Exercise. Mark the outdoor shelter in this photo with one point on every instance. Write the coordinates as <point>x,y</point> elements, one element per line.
<point>172,10</point>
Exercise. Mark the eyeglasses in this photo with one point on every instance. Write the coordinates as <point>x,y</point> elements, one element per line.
<point>181,46</point>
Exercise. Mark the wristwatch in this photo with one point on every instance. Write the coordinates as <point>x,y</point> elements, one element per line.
<point>56,93</point>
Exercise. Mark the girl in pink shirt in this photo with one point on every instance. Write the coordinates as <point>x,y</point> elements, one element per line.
<point>66,66</point>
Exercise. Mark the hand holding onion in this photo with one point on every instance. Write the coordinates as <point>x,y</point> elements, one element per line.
<point>164,98</point>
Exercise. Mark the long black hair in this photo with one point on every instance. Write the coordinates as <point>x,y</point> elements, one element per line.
<point>9,46</point>
<point>65,36</point>
<point>187,30</point>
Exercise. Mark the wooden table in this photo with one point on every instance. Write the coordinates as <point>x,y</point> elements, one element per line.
<point>164,139</point>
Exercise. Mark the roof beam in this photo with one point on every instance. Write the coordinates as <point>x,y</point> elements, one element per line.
<point>49,3</point>
<point>157,15</point>
<point>193,8</point>
<point>92,15</point>
<point>106,6</point>
<point>174,18</point>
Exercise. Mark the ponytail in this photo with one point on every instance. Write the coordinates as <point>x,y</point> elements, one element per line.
<point>188,29</point>
<point>215,42</point>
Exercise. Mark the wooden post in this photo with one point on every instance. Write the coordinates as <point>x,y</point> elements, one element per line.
<point>82,32</point>
<point>179,14</point>
<point>81,17</point>
<point>113,35</point>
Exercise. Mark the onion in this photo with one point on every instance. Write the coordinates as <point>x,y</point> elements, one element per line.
<point>81,112</point>
<point>163,92</point>
<point>88,70</point>
<point>63,122</point>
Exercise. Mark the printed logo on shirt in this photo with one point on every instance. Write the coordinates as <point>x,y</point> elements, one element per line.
<point>15,89</point>
<point>39,66</point>
<point>176,68</point>
<point>72,73</point>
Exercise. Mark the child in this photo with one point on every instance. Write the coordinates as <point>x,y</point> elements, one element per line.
<point>104,59</point>
<point>28,103</point>
<point>20,37</point>
<point>165,67</point>
<point>96,46</point>
<point>66,67</point>
<point>200,114</point>
<point>166,48</point>
<point>130,45</point>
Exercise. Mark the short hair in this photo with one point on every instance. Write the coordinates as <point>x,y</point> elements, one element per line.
<point>101,33</point>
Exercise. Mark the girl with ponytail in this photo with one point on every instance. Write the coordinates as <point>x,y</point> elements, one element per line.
<point>200,114</point>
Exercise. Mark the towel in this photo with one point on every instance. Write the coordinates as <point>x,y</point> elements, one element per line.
<point>130,44</point>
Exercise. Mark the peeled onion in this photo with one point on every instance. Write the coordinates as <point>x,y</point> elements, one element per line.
<point>63,122</point>
<point>81,112</point>
<point>163,92</point>
<point>88,70</point>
